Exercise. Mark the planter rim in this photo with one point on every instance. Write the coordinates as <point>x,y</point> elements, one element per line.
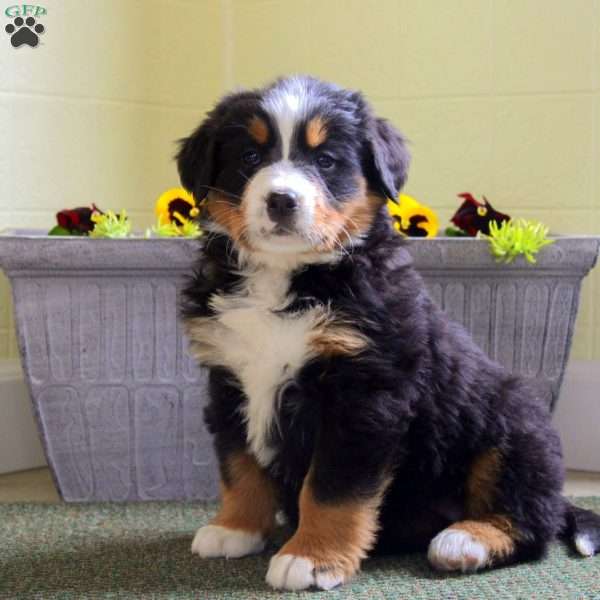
<point>30,251</point>
<point>40,234</point>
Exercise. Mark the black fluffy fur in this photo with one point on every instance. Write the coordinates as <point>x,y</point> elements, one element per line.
<point>420,404</point>
<point>423,402</point>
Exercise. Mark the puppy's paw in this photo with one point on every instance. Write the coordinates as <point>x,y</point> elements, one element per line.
<point>213,541</point>
<point>584,545</point>
<point>290,572</point>
<point>456,550</point>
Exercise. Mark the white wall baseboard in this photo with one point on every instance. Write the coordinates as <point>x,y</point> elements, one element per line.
<point>20,447</point>
<point>577,416</point>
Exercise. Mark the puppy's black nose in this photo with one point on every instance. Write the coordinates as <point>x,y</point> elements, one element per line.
<point>281,206</point>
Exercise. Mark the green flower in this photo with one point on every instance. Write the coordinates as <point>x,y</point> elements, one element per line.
<point>189,229</point>
<point>512,238</point>
<point>110,225</point>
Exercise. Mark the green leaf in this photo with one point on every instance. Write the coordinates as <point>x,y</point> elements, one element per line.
<point>454,232</point>
<point>58,230</point>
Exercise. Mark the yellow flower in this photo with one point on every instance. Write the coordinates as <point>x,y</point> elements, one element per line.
<point>176,206</point>
<point>413,219</point>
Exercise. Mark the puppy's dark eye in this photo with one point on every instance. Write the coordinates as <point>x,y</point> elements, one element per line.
<point>251,158</point>
<point>325,161</point>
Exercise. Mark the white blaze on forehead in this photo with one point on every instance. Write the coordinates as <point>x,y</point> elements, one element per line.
<point>287,104</point>
<point>285,177</point>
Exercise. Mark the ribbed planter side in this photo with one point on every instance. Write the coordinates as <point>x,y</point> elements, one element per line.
<point>118,400</point>
<point>521,315</point>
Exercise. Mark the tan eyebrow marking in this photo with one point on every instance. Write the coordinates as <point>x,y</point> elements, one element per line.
<point>258,129</point>
<point>316,132</point>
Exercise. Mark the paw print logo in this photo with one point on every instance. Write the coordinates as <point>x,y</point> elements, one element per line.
<point>24,32</point>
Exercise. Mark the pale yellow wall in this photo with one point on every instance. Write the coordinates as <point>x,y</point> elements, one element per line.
<point>500,97</point>
<point>92,113</point>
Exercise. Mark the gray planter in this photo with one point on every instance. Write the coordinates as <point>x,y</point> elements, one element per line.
<point>119,401</point>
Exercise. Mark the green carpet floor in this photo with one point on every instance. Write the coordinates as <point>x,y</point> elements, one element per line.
<point>142,551</point>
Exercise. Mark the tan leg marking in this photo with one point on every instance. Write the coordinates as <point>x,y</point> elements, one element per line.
<point>481,483</point>
<point>471,545</point>
<point>258,129</point>
<point>334,537</point>
<point>494,533</point>
<point>248,501</point>
<point>485,538</point>
<point>246,516</point>
<point>316,132</point>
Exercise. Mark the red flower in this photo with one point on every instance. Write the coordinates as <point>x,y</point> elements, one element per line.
<point>473,216</point>
<point>77,221</point>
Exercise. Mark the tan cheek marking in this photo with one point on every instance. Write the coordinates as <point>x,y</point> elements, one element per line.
<point>229,216</point>
<point>495,533</point>
<point>258,130</point>
<point>353,218</point>
<point>481,483</point>
<point>248,499</point>
<point>359,213</point>
<point>329,223</point>
<point>316,132</point>
<point>335,537</point>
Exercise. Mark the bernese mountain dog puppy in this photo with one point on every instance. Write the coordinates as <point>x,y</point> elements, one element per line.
<point>339,393</point>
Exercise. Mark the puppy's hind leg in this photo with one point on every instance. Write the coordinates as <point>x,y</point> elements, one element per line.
<point>512,513</point>
<point>473,544</point>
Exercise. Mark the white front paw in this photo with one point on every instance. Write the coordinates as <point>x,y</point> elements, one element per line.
<point>213,541</point>
<point>456,550</point>
<point>289,572</point>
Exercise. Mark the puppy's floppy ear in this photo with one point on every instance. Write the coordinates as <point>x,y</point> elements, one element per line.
<point>196,157</point>
<point>390,158</point>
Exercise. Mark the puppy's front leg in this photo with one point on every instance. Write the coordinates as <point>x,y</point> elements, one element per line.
<point>247,513</point>
<point>331,540</point>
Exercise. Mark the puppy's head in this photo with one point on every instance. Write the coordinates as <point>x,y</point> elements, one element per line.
<point>301,166</point>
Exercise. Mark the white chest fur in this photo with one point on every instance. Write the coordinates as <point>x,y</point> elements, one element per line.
<point>262,346</point>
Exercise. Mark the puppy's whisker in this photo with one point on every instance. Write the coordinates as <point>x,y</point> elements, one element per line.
<point>341,246</point>
<point>349,238</point>
<point>221,191</point>
<point>243,175</point>
<point>343,249</point>
<point>226,202</point>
